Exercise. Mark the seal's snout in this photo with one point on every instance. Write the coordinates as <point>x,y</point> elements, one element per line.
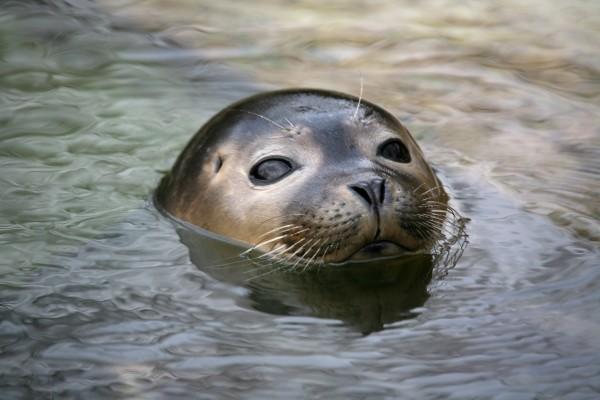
<point>371,191</point>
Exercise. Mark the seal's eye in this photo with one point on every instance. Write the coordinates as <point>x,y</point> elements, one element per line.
<point>270,171</point>
<point>394,150</point>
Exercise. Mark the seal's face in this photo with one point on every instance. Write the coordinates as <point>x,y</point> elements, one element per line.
<point>308,177</point>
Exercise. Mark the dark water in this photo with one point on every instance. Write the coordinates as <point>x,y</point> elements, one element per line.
<point>99,298</point>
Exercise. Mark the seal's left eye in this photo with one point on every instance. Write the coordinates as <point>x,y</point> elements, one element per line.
<point>394,150</point>
<point>270,171</point>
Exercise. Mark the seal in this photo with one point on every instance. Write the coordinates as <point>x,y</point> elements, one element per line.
<point>308,177</point>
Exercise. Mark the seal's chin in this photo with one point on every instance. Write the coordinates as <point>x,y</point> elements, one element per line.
<point>378,249</point>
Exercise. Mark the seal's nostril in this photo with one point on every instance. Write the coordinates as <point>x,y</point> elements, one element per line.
<point>373,191</point>
<point>363,192</point>
<point>379,188</point>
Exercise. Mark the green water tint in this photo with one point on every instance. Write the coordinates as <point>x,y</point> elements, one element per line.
<point>99,297</point>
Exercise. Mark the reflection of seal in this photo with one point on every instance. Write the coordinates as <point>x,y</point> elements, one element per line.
<point>366,296</point>
<point>308,177</point>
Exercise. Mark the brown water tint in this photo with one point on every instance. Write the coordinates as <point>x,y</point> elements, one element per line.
<point>99,297</point>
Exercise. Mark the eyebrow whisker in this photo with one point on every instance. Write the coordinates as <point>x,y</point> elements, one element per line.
<point>262,117</point>
<point>359,99</point>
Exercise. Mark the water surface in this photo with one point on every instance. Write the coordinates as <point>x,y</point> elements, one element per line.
<point>100,298</point>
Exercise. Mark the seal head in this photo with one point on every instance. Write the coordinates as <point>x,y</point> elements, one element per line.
<point>308,177</point>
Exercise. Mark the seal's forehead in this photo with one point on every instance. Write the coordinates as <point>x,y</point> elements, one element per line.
<point>333,136</point>
<point>325,113</point>
<point>308,103</point>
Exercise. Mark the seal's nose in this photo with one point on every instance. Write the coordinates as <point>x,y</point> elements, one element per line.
<point>371,191</point>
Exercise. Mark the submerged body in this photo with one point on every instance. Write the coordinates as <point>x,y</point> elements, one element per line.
<point>308,177</point>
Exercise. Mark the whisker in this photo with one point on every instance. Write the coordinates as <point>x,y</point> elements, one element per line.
<point>286,234</point>
<point>277,229</point>
<point>227,264</point>
<point>418,187</point>
<point>308,263</point>
<point>270,253</point>
<point>270,271</point>
<point>290,123</point>
<point>359,99</point>
<point>277,257</point>
<point>435,188</point>
<point>261,244</point>
<point>300,258</point>
<point>262,117</point>
<point>279,217</point>
<point>291,256</point>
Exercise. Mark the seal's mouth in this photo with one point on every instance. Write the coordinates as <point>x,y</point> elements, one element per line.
<point>378,249</point>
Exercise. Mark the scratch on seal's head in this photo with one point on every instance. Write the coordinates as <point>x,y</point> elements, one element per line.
<point>308,177</point>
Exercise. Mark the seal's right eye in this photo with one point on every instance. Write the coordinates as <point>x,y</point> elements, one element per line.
<point>270,171</point>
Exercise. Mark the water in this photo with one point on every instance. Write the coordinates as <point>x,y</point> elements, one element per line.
<point>99,297</point>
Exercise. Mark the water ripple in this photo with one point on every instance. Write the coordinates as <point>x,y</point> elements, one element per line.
<point>100,299</point>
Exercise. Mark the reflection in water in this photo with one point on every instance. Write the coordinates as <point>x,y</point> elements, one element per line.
<point>366,295</point>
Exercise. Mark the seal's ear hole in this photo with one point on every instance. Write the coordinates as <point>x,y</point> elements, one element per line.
<point>217,164</point>
<point>270,170</point>
<point>395,150</point>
